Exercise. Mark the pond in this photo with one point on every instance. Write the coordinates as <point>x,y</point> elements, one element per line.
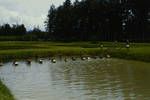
<point>95,79</point>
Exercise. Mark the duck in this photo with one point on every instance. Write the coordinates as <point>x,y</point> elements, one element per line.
<point>83,58</point>
<point>15,63</point>
<point>127,46</point>
<point>65,59</point>
<point>53,60</point>
<point>73,58</point>
<point>28,61</point>
<point>100,56</point>
<point>88,58</point>
<point>94,57</point>
<point>40,61</point>
<point>108,56</point>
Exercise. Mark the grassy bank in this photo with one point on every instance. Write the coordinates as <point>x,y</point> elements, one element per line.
<point>21,50</point>
<point>5,93</point>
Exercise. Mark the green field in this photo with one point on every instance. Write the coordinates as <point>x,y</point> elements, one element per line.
<point>20,50</point>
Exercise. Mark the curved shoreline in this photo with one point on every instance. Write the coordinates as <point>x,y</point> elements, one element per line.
<point>44,54</point>
<point>5,93</point>
<point>24,50</point>
<point>38,53</point>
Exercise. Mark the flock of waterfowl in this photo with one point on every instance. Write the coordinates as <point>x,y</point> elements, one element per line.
<point>53,60</point>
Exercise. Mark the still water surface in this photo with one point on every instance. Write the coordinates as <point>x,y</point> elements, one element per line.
<point>101,79</point>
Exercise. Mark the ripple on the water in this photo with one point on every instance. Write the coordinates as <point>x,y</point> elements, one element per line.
<point>94,79</point>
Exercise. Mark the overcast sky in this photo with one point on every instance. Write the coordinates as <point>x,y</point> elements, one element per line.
<point>29,12</point>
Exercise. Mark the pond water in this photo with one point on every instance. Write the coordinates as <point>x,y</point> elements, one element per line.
<point>96,79</point>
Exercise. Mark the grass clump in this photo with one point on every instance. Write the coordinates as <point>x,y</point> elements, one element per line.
<point>5,94</point>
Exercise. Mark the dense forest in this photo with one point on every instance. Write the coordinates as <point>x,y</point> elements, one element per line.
<point>107,20</point>
<point>85,20</point>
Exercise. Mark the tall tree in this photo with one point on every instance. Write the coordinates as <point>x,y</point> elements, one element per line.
<point>51,21</point>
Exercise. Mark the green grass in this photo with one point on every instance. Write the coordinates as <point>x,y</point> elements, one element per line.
<point>20,50</point>
<point>5,93</point>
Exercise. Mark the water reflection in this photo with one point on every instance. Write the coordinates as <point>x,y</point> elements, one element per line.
<point>101,79</point>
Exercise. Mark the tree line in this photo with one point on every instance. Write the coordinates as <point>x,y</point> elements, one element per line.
<point>7,29</point>
<point>98,20</point>
<point>106,20</point>
<point>17,32</point>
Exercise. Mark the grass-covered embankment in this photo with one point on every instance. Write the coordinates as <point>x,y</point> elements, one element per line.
<point>5,94</point>
<point>21,50</point>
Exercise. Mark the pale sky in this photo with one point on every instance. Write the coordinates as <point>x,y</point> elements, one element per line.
<point>29,12</point>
